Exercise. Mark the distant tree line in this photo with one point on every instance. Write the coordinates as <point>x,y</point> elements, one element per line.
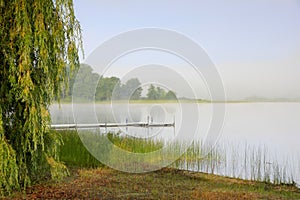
<point>156,93</point>
<point>109,88</point>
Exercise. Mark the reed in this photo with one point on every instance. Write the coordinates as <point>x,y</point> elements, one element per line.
<point>74,153</point>
<point>253,163</point>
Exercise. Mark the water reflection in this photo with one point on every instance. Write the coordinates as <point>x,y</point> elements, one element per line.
<point>249,128</point>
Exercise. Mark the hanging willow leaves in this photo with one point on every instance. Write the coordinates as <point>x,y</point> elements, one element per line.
<point>38,39</point>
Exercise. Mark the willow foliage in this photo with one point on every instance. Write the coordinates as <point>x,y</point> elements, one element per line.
<point>38,39</point>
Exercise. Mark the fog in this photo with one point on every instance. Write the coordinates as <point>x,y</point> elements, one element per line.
<point>253,44</point>
<point>273,79</point>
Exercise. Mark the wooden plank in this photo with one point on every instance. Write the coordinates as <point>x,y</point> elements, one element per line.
<point>110,125</point>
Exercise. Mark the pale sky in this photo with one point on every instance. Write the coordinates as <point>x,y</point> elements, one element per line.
<point>254,44</point>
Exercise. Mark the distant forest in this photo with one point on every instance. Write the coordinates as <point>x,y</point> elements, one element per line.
<point>109,88</point>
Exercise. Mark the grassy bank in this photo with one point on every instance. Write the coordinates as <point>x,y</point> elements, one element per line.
<point>104,183</point>
<point>74,153</point>
<point>253,163</point>
<point>89,179</point>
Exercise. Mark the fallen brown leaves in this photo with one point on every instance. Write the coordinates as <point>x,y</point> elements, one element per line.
<point>164,184</point>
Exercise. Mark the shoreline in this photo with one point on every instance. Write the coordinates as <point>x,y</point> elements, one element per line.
<point>167,183</point>
<point>169,102</point>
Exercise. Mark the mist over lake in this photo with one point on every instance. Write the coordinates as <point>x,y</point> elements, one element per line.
<point>269,127</point>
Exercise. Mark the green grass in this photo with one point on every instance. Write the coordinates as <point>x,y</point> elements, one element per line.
<point>222,159</point>
<point>135,145</point>
<point>91,180</point>
<point>74,153</point>
<point>104,183</point>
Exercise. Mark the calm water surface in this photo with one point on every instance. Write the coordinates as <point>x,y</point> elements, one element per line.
<point>273,127</point>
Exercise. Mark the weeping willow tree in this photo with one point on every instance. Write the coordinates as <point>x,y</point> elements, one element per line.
<point>39,38</point>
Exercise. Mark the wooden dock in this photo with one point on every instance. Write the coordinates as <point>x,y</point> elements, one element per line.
<point>110,125</point>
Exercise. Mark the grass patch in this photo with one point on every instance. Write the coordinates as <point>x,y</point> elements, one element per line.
<point>135,145</point>
<point>89,179</point>
<point>222,159</point>
<point>73,152</point>
<point>104,183</point>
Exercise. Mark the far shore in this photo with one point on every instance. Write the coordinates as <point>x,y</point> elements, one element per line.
<point>146,101</point>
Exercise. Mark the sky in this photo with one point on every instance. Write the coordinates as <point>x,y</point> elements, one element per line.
<point>254,44</point>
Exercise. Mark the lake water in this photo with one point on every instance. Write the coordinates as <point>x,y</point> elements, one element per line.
<point>270,128</point>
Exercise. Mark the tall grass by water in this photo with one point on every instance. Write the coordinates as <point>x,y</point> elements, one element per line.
<point>252,162</point>
<point>74,153</point>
